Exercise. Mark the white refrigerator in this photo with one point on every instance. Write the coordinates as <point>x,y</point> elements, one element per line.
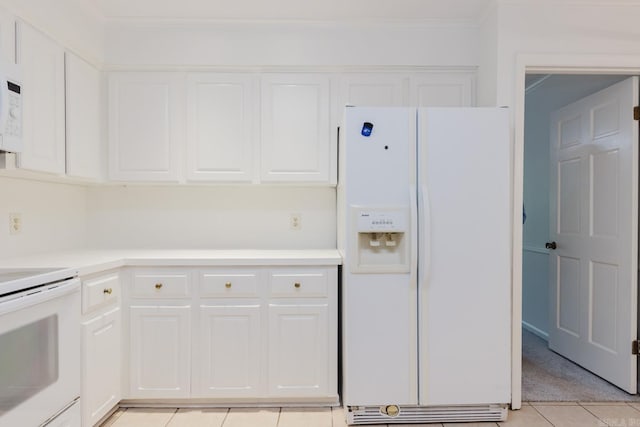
<point>424,202</point>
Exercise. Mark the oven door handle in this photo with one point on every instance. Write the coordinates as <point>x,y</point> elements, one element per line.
<point>46,293</point>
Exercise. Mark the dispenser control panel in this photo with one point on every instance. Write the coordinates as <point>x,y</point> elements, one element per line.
<point>382,221</point>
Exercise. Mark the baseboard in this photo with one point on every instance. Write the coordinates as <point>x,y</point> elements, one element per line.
<point>536,331</point>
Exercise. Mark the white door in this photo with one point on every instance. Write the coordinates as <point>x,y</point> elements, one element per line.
<point>160,352</point>
<point>297,144</point>
<point>229,351</point>
<point>43,122</point>
<point>146,125</point>
<point>594,224</point>
<point>464,270</point>
<point>220,127</point>
<point>101,354</point>
<point>373,90</point>
<point>298,360</point>
<point>83,95</point>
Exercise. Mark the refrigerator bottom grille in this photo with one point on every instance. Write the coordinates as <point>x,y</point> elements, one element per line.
<point>426,414</point>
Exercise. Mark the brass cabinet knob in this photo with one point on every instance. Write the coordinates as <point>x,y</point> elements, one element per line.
<point>158,285</point>
<point>227,285</point>
<point>108,291</point>
<point>297,284</point>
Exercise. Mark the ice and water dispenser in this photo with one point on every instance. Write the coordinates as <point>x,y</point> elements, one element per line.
<point>381,240</point>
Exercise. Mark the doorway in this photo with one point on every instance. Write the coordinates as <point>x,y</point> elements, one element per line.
<point>546,375</point>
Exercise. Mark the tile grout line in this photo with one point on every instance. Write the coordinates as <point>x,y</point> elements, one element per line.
<point>602,422</point>
<point>172,416</point>
<point>279,413</point>
<point>540,413</point>
<point>226,415</point>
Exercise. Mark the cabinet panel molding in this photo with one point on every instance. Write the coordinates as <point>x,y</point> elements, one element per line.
<point>220,127</point>
<point>296,133</point>
<point>230,351</point>
<point>146,124</point>
<point>43,121</point>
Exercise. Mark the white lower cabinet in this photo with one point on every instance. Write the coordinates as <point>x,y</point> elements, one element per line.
<point>298,342</point>
<point>229,351</point>
<point>160,351</point>
<point>249,334</point>
<point>101,346</point>
<point>101,369</point>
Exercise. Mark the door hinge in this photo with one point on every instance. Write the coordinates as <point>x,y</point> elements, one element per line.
<point>634,347</point>
<point>636,113</point>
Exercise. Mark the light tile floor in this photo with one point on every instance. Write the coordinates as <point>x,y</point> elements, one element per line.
<point>532,414</point>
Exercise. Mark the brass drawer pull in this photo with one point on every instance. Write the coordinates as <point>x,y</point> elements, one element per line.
<point>158,285</point>
<point>297,285</point>
<point>108,291</point>
<point>227,285</point>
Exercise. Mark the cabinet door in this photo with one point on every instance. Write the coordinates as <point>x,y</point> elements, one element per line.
<point>7,36</point>
<point>298,350</point>
<point>101,365</point>
<point>296,135</point>
<point>229,351</point>
<point>145,125</point>
<point>373,90</point>
<point>220,127</point>
<point>84,149</point>
<point>442,89</point>
<point>160,352</point>
<point>43,121</point>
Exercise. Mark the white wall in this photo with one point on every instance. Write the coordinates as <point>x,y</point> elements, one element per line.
<point>53,216</point>
<point>71,23</point>
<point>210,217</point>
<point>565,27</point>
<point>304,44</point>
<point>488,58</point>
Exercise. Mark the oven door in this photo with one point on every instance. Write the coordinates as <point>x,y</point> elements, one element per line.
<point>39,354</point>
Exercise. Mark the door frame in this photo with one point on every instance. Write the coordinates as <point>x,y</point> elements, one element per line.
<point>542,64</point>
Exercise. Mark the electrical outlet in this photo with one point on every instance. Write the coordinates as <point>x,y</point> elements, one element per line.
<point>295,221</point>
<point>15,223</point>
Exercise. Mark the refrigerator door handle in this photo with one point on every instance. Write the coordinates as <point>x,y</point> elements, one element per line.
<point>414,226</point>
<point>424,239</point>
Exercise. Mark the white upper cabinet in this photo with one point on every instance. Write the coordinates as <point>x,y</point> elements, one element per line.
<point>7,36</point>
<point>446,89</point>
<point>296,134</point>
<point>42,62</point>
<point>84,149</point>
<point>373,90</point>
<point>246,127</point>
<point>221,111</point>
<point>146,116</point>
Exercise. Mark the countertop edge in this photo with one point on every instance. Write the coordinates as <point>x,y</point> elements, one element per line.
<point>89,262</point>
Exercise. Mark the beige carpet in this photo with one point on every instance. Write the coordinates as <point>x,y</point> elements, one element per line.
<point>547,376</point>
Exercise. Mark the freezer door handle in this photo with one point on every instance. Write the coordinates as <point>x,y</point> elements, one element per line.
<point>424,240</point>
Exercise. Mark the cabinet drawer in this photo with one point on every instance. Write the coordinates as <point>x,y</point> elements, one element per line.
<point>216,284</point>
<point>161,285</point>
<point>100,290</point>
<point>299,284</point>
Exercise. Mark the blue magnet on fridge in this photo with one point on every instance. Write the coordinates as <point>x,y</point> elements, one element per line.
<point>367,128</point>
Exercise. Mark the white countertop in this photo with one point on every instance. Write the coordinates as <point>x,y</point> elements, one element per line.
<point>89,261</point>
